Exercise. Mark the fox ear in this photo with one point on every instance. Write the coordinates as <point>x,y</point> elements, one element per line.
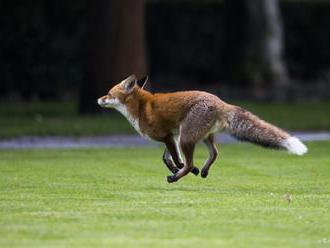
<point>142,82</point>
<point>129,83</point>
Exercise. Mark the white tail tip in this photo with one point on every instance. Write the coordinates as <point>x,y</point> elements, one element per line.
<point>294,146</point>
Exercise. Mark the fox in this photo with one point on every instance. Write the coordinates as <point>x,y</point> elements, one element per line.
<point>181,119</point>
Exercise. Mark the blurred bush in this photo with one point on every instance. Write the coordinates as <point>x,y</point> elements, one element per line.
<point>42,44</point>
<point>41,47</point>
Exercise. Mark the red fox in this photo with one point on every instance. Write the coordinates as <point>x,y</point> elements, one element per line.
<point>181,119</point>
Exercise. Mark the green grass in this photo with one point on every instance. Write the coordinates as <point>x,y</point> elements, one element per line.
<point>42,119</point>
<point>119,198</point>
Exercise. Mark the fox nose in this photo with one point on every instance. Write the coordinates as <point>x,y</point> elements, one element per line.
<point>100,101</point>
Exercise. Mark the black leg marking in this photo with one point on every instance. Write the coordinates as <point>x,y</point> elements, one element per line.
<point>168,162</point>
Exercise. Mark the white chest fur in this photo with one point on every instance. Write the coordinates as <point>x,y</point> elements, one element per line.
<point>134,121</point>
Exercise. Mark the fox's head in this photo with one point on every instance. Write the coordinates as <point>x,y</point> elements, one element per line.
<point>118,94</point>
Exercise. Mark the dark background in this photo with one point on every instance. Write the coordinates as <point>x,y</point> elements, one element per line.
<point>43,48</point>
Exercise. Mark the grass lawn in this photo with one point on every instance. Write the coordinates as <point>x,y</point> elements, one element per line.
<point>120,198</point>
<point>61,118</point>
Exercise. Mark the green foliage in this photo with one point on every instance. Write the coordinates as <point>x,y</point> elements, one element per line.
<point>120,198</point>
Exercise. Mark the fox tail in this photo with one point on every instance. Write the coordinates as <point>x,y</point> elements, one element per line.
<point>246,126</point>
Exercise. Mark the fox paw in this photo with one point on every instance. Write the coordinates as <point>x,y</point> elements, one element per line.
<point>195,171</point>
<point>171,179</point>
<point>204,173</point>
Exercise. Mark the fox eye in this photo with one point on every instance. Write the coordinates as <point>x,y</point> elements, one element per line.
<point>110,95</point>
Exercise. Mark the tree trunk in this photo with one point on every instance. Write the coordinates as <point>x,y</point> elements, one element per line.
<point>116,47</point>
<point>259,59</point>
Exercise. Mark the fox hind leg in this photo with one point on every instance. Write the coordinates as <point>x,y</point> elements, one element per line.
<point>196,125</point>
<point>213,154</point>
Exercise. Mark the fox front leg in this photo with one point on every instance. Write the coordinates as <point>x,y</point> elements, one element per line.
<point>171,155</point>
<point>167,159</point>
<point>168,162</point>
<point>188,151</point>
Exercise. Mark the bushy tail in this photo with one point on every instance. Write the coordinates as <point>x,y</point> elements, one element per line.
<point>246,126</point>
